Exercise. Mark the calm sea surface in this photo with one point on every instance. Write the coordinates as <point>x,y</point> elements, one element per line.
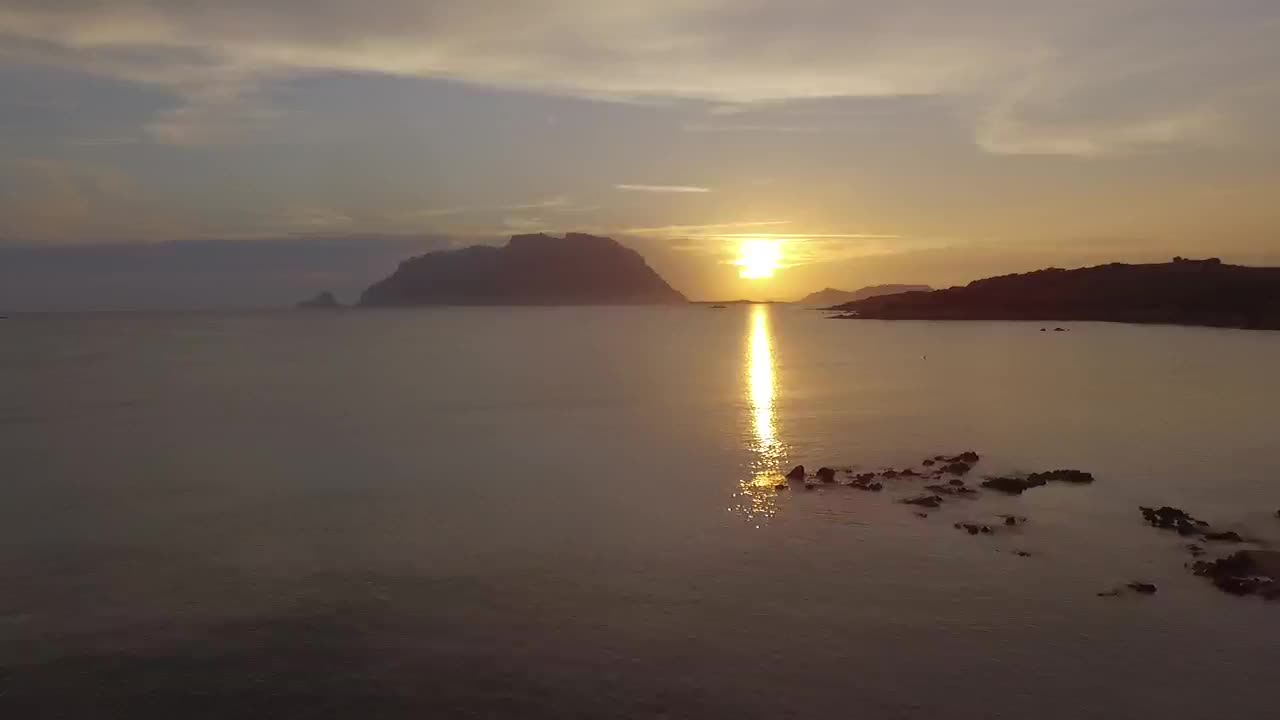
<point>569,513</point>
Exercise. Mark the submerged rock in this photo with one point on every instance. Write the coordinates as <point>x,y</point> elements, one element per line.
<point>1246,572</point>
<point>1015,485</point>
<point>1071,476</point>
<point>1172,518</point>
<point>929,501</point>
<point>866,482</point>
<point>1011,485</point>
<point>957,468</point>
<point>1228,536</point>
<point>951,490</point>
<point>1142,588</point>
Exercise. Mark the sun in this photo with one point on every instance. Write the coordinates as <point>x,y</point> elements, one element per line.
<point>758,258</point>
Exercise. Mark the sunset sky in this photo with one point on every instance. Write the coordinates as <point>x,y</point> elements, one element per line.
<point>299,145</point>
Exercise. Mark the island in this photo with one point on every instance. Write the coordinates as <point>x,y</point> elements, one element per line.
<point>831,296</point>
<point>537,269</point>
<point>322,301</point>
<point>1182,292</point>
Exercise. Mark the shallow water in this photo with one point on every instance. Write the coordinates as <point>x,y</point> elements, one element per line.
<point>569,513</point>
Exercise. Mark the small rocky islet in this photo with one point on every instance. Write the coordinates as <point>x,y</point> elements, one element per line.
<point>1250,571</point>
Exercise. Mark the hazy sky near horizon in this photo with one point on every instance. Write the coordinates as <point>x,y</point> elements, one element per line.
<point>934,141</point>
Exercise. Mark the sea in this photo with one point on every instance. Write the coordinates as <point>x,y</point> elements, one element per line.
<point>573,513</point>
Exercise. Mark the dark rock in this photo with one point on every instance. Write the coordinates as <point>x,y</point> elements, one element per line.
<point>1172,518</point>
<point>1228,536</point>
<point>949,490</point>
<point>890,473</point>
<point>810,486</point>
<point>1245,572</point>
<point>1070,476</point>
<point>781,486</point>
<point>922,514</point>
<point>1059,329</point>
<point>1011,521</point>
<point>967,456</point>
<point>865,483</point>
<point>908,473</point>
<point>957,482</point>
<point>1142,588</point>
<point>957,468</point>
<point>1011,485</point>
<point>540,269</point>
<point>826,475</point>
<point>797,473</point>
<point>929,501</point>
<point>930,463</point>
<point>864,477</point>
<point>1022,553</point>
<point>1195,550</point>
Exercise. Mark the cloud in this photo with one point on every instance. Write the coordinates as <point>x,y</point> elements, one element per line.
<point>662,188</point>
<point>1086,78</point>
<point>747,127</point>
<point>702,230</point>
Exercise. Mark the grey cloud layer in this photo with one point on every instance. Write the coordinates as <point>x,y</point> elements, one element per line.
<point>1083,78</point>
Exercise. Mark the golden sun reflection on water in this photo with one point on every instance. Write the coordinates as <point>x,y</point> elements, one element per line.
<point>756,497</point>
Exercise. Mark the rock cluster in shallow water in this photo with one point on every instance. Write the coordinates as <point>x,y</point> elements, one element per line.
<point>1246,572</point>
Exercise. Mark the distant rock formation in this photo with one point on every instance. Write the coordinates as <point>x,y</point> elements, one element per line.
<point>323,301</point>
<point>831,296</point>
<point>540,269</point>
<point>1182,292</point>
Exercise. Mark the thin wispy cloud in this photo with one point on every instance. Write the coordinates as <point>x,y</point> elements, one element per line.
<point>662,188</point>
<point>752,128</point>
<point>702,229</point>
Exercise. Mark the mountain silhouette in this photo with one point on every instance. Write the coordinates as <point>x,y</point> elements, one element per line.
<point>540,269</point>
<point>831,296</point>
<point>1183,292</point>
